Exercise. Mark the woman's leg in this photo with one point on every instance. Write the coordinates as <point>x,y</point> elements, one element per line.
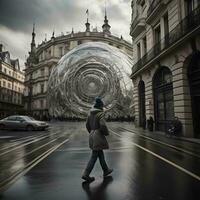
<point>91,163</point>
<point>102,160</point>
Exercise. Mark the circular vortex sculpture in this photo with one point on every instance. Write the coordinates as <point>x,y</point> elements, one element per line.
<point>90,70</point>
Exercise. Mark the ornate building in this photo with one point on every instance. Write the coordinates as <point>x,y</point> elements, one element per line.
<point>166,52</point>
<point>11,85</point>
<point>44,57</point>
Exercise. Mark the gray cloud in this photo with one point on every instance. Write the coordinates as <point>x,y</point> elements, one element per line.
<point>17,17</point>
<point>19,14</point>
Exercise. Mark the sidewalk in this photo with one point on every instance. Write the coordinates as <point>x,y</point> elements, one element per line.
<point>188,145</point>
<point>149,133</point>
<point>131,126</point>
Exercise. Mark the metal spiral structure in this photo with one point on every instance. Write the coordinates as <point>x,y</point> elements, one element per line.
<point>90,70</point>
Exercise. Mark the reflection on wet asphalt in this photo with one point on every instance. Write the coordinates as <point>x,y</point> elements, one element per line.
<point>137,173</point>
<point>17,154</point>
<point>98,192</point>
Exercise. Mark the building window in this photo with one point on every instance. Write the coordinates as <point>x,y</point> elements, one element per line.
<point>42,88</point>
<point>189,6</point>
<point>9,86</point>
<point>157,34</point>
<point>142,108</point>
<point>138,51</point>
<point>60,51</point>
<point>144,40</point>
<point>50,70</point>
<point>42,72</point>
<point>66,49</point>
<point>4,83</point>
<point>5,71</point>
<point>166,28</point>
<point>166,24</point>
<point>41,103</point>
<point>157,38</point>
<point>142,4</point>
<point>163,98</point>
<point>79,42</point>
<point>194,85</point>
<point>35,74</point>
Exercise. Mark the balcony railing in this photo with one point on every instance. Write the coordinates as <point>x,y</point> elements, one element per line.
<point>188,24</point>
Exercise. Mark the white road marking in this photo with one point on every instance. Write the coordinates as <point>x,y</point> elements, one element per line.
<point>162,158</point>
<point>16,146</point>
<point>32,164</point>
<point>163,143</point>
<point>6,137</point>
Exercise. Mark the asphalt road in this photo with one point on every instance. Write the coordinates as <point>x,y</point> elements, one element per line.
<point>144,168</point>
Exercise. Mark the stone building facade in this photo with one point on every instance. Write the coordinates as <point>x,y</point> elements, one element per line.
<point>11,85</point>
<point>44,57</point>
<point>166,70</point>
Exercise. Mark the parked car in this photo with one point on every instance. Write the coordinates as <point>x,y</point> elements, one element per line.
<point>22,123</point>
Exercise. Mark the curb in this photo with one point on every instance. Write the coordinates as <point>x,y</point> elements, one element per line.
<point>148,133</point>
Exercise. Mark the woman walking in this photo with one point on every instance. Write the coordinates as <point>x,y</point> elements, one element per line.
<point>97,141</point>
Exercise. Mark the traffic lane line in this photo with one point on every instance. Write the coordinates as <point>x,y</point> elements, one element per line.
<point>188,162</point>
<point>180,141</point>
<point>26,143</point>
<point>166,144</point>
<point>30,165</point>
<point>29,153</point>
<point>162,158</point>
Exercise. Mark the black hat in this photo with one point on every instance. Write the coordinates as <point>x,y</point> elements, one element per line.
<point>98,103</point>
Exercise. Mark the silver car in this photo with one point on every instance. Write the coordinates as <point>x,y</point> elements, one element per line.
<point>22,123</point>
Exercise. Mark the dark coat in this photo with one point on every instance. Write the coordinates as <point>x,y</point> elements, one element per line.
<point>97,130</point>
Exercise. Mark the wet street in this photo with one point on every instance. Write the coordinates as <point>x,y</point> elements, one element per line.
<point>49,164</point>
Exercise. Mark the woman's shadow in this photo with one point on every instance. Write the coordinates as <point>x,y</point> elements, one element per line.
<point>98,192</point>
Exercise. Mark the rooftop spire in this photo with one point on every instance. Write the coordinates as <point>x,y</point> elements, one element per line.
<point>32,57</point>
<point>53,35</point>
<point>106,27</point>
<point>105,11</point>
<point>33,39</point>
<point>87,24</point>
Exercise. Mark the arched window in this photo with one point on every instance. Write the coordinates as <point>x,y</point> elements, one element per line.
<point>163,98</point>
<point>142,109</point>
<point>194,83</point>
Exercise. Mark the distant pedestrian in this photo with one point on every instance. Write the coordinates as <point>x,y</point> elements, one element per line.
<point>144,123</point>
<point>150,123</point>
<point>97,141</point>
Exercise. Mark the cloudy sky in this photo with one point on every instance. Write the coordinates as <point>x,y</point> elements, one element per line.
<point>17,18</point>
